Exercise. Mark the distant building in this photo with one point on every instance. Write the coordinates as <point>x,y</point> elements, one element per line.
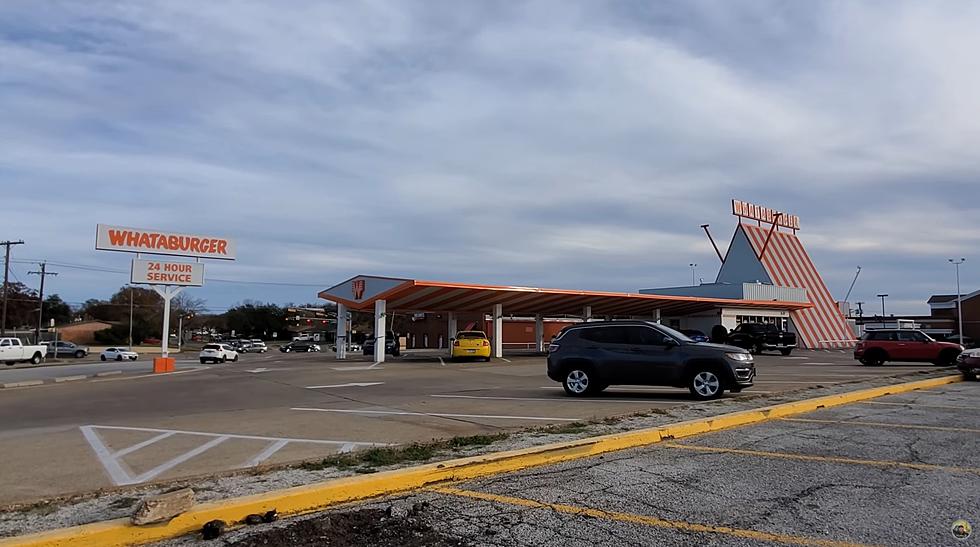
<point>81,332</point>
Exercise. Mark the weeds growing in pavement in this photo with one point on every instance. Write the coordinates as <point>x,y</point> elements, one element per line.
<point>365,461</point>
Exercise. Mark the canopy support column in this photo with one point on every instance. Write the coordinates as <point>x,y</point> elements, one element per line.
<point>452,331</point>
<point>587,314</point>
<point>538,333</point>
<point>380,329</point>
<point>341,331</point>
<point>498,331</point>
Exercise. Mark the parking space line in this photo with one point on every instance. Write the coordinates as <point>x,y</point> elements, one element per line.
<point>828,459</point>
<point>882,424</point>
<point>556,399</point>
<point>267,453</point>
<point>944,407</point>
<point>632,518</point>
<point>436,414</point>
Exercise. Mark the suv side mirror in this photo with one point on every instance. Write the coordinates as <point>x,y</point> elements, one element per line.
<point>670,343</point>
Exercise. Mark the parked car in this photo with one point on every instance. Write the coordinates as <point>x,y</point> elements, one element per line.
<point>880,346</point>
<point>258,346</point>
<point>118,354</point>
<point>471,344</point>
<point>696,335</point>
<point>969,364</point>
<point>965,341</point>
<point>13,351</point>
<point>299,346</point>
<point>66,349</point>
<point>759,337</point>
<point>353,346</point>
<point>218,353</point>
<point>391,345</point>
<point>589,357</point>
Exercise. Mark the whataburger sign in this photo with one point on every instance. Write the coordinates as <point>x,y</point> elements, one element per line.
<point>137,240</point>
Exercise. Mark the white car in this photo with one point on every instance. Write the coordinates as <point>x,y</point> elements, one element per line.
<point>218,353</point>
<point>118,354</point>
<point>258,346</point>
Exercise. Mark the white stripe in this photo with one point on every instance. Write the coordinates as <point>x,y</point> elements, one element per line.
<point>229,435</point>
<point>267,453</point>
<point>117,474</point>
<point>168,465</point>
<point>147,442</point>
<point>436,414</point>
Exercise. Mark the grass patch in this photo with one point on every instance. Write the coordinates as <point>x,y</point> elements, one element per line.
<point>568,429</point>
<point>366,461</point>
<point>124,503</point>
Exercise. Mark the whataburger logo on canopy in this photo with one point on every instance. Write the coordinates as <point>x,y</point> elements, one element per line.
<point>119,238</point>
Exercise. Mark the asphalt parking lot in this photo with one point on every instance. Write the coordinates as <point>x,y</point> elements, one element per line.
<point>135,427</point>
<point>897,470</point>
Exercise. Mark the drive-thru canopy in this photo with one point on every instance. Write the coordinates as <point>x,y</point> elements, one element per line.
<point>393,295</point>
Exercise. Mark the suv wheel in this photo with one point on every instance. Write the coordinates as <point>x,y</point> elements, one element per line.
<point>579,381</point>
<point>873,358</point>
<point>705,384</point>
<point>785,352</point>
<point>79,354</point>
<point>947,357</point>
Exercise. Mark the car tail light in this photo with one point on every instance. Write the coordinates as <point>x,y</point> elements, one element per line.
<point>553,348</point>
<point>456,343</point>
<point>486,343</point>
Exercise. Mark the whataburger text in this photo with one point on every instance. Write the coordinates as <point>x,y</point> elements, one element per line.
<point>117,238</point>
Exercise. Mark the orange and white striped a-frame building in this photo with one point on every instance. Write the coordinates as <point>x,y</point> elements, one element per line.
<point>768,250</point>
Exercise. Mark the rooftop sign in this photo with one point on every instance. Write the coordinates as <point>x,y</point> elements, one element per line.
<point>752,211</point>
<point>138,240</point>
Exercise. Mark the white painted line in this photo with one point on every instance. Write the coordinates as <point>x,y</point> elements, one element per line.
<point>374,365</point>
<point>25,383</point>
<point>442,362</point>
<point>505,359</point>
<point>60,379</point>
<point>267,453</point>
<point>258,370</point>
<point>550,399</point>
<point>109,373</point>
<point>349,447</point>
<point>145,443</point>
<point>152,375</point>
<point>352,384</point>
<point>113,467</point>
<point>817,363</point>
<point>168,465</point>
<point>798,357</point>
<point>229,435</point>
<point>436,414</point>
<point>358,368</point>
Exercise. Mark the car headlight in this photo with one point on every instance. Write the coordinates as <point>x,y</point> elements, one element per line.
<point>739,356</point>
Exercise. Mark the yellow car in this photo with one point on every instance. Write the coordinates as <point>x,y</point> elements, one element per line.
<point>471,343</point>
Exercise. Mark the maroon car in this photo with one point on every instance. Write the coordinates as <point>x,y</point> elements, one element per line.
<point>879,346</point>
<point>969,364</point>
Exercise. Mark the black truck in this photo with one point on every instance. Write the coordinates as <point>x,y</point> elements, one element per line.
<point>758,337</point>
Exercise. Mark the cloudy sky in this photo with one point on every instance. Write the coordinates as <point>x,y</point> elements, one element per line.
<point>557,144</point>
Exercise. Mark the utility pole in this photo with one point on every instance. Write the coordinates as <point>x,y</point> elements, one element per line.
<point>959,297</point>
<point>882,297</point>
<point>130,318</point>
<point>6,280</point>
<point>860,309</point>
<point>40,299</point>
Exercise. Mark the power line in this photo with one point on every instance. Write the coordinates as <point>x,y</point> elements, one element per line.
<point>216,280</point>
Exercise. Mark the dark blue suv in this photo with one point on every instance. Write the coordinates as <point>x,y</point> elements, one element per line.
<point>589,357</point>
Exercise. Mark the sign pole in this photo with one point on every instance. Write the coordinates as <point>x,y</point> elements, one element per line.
<point>167,293</point>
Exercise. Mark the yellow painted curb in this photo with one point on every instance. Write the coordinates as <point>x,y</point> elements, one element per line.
<point>304,499</point>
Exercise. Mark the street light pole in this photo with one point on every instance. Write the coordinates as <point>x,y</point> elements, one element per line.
<point>882,297</point>
<point>693,266</point>
<point>959,297</point>
<point>6,281</point>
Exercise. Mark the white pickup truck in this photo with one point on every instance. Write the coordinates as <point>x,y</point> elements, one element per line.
<point>12,351</point>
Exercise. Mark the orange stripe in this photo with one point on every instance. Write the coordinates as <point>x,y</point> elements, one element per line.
<point>818,329</point>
